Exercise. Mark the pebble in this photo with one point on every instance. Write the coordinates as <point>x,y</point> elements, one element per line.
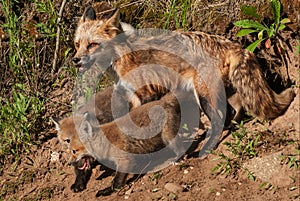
<point>54,156</point>
<point>174,188</point>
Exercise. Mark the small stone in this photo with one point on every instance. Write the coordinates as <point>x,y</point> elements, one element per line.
<point>218,193</point>
<point>185,171</point>
<point>54,156</point>
<point>128,192</point>
<point>174,188</point>
<point>155,190</point>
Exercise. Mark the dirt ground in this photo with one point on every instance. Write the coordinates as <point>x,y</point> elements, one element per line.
<point>38,177</point>
<point>192,179</point>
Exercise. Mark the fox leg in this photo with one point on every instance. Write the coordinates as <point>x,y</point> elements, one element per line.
<point>236,104</point>
<point>82,177</point>
<point>119,181</point>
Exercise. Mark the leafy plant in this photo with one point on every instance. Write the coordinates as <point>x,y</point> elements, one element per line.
<point>23,79</point>
<point>240,147</point>
<point>292,160</point>
<point>264,31</point>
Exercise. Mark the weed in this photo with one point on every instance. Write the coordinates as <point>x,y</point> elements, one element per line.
<point>292,160</point>
<point>266,185</point>
<point>178,10</point>
<point>25,75</point>
<point>265,32</point>
<point>18,116</point>
<point>155,176</point>
<point>239,148</point>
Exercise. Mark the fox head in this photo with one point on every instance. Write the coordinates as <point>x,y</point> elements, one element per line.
<point>92,34</point>
<point>67,133</point>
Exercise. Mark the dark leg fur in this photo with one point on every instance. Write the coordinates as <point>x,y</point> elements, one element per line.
<point>216,126</point>
<point>82,176</point>
<point>119,182</point>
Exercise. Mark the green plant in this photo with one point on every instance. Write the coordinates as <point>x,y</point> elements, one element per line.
<point>240,147</point>
<point>18,116</point>
<point>227,164</point>
<point>265,32</point>
<point>267,186</point>
<point>24,75</point>
<point>155,176</point>
<point>292,160</point>
<point>178,10</point>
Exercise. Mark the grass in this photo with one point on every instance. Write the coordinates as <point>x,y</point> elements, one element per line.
<point>22,104</point>
<point>178,11</point>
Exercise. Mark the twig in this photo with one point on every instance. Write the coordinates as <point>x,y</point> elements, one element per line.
<point>122,6</point>
<point>58,35</point>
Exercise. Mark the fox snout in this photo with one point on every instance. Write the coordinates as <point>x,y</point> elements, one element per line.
<point>83,63</point>
<point>76,61</point>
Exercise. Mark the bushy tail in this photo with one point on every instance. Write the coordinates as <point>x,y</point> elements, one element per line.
<point>255,94</point>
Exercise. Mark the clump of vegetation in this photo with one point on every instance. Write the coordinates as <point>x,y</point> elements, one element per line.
<point>292,160</point>
<point>264,31</point>
<point>242,146</point>
<point>26,72</point>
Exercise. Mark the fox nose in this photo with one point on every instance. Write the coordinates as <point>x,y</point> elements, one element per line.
<point>76,60</point>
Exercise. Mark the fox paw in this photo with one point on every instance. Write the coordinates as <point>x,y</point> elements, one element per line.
<point>105,192</point>
<point>77,187</point>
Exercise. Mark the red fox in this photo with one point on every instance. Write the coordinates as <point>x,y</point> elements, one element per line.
<point>98,41</point>
<point>89,141</point>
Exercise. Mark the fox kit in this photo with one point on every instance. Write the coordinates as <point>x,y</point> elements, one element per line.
<point>160,120</point>
<point>101,106</point>
<point>97,41</point>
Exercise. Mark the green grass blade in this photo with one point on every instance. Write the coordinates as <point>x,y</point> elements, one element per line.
<point>281,27</point>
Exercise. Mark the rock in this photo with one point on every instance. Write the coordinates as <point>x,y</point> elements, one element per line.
<point>268,168</point>
<point>174,188</point>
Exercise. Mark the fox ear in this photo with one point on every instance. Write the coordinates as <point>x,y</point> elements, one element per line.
<point>88,15</point>
<point>86,129</point>
<point>56,123</point>
<point>113,20</point>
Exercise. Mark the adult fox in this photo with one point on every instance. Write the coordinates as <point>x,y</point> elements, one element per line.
<point>98,41</point>
<point>89,141</point>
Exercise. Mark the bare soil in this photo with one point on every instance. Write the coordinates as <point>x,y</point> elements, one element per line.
<point>36,177</point>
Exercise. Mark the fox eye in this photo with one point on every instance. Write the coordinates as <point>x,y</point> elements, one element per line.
<point>67,140</point>
<point>76,44</point>
<point>93,45</point>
